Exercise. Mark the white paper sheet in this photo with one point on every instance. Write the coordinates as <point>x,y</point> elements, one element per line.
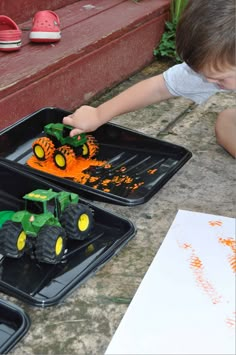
<point>186,302</point>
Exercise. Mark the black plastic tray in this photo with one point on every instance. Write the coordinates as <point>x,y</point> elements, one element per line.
<point>41,284</point>
<point>14,323</point>
<point>120,147</point>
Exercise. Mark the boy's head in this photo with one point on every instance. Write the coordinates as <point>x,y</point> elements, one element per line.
<point>205,40</point>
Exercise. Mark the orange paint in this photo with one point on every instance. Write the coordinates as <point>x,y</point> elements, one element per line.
<point>230,321</point>
<point>215,223</point>
<point>197,267</point>
<point>231,243</point>
<point>186,246</point>
<point>78,172</point>
<point>232,262</point>
<point>196,262</point>
<point>152,171</point>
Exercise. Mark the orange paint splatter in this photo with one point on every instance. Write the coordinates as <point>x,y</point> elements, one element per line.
<point>186,246</point>
<point>215,223</point>
<point>232,262</point>
<point>152,171</point>
<point>206,286</point>
<point>230,321</point>
<point>136,186</point>
<point>196,262</point>
<point>74,171</point>
<point>196,265</point>
<point>231,243</point>
<point>78,172</point>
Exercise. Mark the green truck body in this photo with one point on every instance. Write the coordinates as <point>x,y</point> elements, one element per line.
<point>62,134</point>
<point>61,147</point>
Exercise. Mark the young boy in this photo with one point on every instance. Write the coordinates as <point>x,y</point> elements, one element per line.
<point>205,41</point>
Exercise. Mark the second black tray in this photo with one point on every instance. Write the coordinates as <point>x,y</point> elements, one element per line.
<point>41,284</point>
<point>14,324</point>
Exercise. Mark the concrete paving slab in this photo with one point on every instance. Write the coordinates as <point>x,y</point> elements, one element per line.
<point>86,321</point>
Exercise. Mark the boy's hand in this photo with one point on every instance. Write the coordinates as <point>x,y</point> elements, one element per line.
<point>85,119</point>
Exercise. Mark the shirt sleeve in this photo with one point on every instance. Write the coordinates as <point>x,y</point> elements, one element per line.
<point>181,80</point>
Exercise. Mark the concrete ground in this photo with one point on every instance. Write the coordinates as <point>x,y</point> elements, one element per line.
<point>86,321</point>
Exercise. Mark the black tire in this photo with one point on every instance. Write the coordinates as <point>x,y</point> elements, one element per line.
<point>50,244</point>
<point>92,146</point>
<point>13,240</point>
<point>63,157</point>
<point>43,148</point>
<point>77,220</point>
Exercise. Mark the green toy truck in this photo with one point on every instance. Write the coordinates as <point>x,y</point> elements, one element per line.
<point>64,149</point>
<point>42,229</point>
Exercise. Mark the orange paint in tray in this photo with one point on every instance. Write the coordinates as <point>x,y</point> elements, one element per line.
<point>78,172</point>
<point>75,159</point>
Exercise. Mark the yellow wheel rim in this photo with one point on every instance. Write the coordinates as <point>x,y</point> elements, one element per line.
<point>59,246</point>
<point>83,222</point>
<point>39,152</point>
<point>85,149</point>
<point>21,241</point>
<point>60,160</point>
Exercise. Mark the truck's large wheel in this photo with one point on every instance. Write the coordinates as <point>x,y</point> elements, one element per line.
<point>63,157</point>
<point>90,148</point>
<point>13,240</point>
<point>50,244</point>
<point>43,148</point>
<point>77,221</point>
<point>93,146</point>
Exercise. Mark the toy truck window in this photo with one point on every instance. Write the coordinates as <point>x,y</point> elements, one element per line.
<point>65,132</point>
<point>51,206</point>
<point>34,207</point>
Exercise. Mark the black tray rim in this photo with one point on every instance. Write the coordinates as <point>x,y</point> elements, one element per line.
<point>20,333</point>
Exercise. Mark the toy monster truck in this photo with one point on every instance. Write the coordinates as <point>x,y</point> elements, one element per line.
<point>63,148</point>
<point>42,229</point>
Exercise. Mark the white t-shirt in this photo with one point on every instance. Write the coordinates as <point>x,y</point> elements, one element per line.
<point>181,80</point>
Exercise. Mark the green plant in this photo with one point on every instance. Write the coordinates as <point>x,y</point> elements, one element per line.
<point>166,47</point>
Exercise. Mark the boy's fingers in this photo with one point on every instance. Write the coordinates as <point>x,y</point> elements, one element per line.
<point>75,131</point>
<point>68,120</point>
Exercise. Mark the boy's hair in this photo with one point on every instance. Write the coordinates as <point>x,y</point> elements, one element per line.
<point>205,34</point>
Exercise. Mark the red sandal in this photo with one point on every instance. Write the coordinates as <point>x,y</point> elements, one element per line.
<point>10,35</point>
<point>46,27</point>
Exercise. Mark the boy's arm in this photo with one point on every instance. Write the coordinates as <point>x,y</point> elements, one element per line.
<point>146,92</point>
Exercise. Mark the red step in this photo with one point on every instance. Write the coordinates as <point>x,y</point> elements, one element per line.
<point>103,42</point>
<point>22,10</point>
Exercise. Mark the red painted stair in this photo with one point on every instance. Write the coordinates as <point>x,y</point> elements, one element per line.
<point>103,42</point>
